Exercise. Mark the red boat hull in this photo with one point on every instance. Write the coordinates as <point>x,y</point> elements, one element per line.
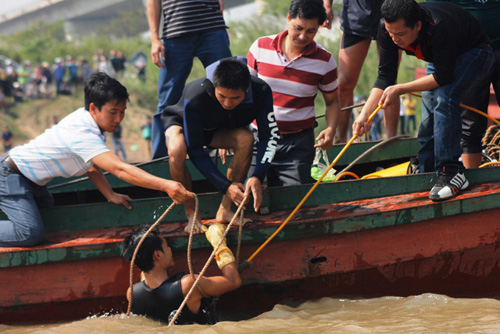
<point>455,255</point>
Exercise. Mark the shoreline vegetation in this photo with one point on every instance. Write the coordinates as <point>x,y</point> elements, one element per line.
<point>45,42</point>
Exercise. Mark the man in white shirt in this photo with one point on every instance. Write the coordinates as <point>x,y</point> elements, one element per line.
<point>74,146</point>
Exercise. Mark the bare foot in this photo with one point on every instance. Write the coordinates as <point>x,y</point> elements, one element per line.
<point>225,216</point>
<point>198,226</point>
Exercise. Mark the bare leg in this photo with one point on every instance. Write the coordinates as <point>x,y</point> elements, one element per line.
<point>241,141</point>
<point>391,119</point>
<point>391,113</point>
<point>177,153</point>
<point>351,61</point>
<point>472,160</point>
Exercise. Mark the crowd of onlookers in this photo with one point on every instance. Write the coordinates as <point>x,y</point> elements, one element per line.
<point>27,81</point>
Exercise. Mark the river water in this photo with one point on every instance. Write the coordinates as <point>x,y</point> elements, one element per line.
<point>427,313</point>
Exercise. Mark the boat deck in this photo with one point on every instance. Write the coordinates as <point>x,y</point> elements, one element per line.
<point>341,217</point>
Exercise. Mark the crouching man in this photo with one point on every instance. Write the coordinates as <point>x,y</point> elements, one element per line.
<point>159,296</point>
<point>215,111</point>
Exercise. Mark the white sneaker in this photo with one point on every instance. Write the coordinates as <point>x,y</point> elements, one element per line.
<point>448,185</point>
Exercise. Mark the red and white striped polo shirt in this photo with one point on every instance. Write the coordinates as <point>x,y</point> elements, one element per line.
<point>294,83</point>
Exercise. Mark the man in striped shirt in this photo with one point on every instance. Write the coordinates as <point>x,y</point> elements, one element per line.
<point>191,28</point>
<point>72,147</point>
<point>296,68</point>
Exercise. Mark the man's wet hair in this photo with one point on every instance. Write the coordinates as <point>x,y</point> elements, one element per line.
<point>144,259</point>
<point>232,74</point>
<point>408,10</point>
<point>308,9</point>
<point>100,88</point>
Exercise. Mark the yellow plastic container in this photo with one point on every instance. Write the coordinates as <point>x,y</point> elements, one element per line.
<point>398,170</point>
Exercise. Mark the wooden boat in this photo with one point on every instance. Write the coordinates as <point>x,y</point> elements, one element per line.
<point>356,238</point>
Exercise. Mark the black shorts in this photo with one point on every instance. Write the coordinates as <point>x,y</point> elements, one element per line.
<point>361,19</point>
<point>169,118</point>
<point>350,40</point>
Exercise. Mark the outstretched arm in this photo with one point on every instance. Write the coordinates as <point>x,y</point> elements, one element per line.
<point>216,285</point>
<point>99,180</point>
<point>136,176</point>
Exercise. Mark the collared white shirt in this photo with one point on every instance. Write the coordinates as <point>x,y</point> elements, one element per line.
<point>64,150</point>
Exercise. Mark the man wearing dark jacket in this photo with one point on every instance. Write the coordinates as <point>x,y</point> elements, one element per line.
<point>458,51</point>
<point>215,111</point>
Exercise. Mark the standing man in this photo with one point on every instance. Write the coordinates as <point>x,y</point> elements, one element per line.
<point>359,23</point>
<point>215,111</point>
<point>297,68</point>
<point>191,28</point>
<point>159,296</point>
<point>116,142</point>
<point>457,49</point>
<point>74,146</point>
<point>7,139</point>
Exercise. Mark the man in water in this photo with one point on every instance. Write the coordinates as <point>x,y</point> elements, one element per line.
<point>159,296</point>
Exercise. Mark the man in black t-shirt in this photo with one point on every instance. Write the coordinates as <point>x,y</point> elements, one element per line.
<point>458,51</point>
<point>159,296</point>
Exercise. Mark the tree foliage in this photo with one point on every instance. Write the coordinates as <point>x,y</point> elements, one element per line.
<point>126,23</point>
<point>44,42</point>
<point>34,42</point>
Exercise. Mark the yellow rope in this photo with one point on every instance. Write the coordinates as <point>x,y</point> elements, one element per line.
<point>469,108</point>
<point>310,191</point>
<point>491,163</point>
<point>330,167</point>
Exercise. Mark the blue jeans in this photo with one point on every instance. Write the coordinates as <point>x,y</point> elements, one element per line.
<point>441,127</point>
<point>20,199</point>
<point>375,130</point>
<point>209,47</point>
